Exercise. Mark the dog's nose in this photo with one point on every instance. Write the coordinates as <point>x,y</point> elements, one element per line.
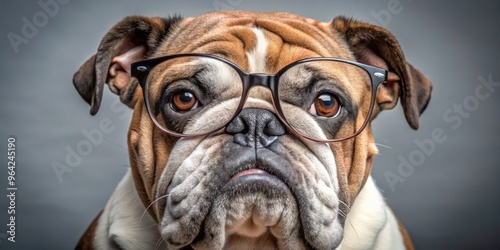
<point>255,128</point>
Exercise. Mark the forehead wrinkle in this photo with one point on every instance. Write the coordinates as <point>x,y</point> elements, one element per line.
<point>292,40</point>
<point>224,34</point>
<point>296,33</point>
<point>233,44</point>
<point>230,35</point>
<point>188,30</point>
<point>192,29</point>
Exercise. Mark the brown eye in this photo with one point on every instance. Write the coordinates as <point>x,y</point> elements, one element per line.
<point>184,101</point>
<point>325,105</point>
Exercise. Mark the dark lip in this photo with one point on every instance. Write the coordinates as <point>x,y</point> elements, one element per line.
<point>254,183</point>
<point>251,171</point>
<point>279,169</point>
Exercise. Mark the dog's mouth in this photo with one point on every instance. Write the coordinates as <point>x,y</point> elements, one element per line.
<point>260,176</point>
<point>267,179</point>
<point>259,179</point>
<point>252,171</point>
<point>248,196</point>
<point>254,204</point>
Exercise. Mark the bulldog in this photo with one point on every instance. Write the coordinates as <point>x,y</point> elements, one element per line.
<point>250,131</point>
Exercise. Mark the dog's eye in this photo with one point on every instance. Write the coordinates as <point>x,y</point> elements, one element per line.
<point>326,105</point>
<point>184,101</point>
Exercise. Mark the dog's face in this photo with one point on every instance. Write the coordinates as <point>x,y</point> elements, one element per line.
<point>255,181</point>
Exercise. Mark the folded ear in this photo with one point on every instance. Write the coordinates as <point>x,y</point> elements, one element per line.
<point>132,39</point>
<point>375,46</point>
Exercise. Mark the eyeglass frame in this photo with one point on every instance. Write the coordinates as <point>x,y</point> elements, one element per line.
<point>141,69</point>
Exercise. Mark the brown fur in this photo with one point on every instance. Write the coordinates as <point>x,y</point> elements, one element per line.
<point>86,242</point>
<point>406,236</point>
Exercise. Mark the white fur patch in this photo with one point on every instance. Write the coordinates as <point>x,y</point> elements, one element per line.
<point>123,222</point>
<point>370,223</point>
<point>257,56</point>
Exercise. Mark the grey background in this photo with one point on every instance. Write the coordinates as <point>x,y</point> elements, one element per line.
<point>450,201</point>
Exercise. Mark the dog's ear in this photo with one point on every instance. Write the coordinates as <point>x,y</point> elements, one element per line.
<point>375,46</point>
<point>132,39</point>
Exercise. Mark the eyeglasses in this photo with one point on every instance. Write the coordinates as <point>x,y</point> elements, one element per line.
<point>188,95</point>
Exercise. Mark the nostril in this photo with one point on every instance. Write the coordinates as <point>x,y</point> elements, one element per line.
<point>237,126</point>
<point>274,127</point>
<point>242,139</point>
<point>255,128</point>
<point>266,141</point>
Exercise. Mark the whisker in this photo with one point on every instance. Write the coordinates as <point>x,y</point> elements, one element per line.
<point>158,243</point>
<point>382,145</point>
<point>145,210</point>
<point>343,214</point>
<point>353,228</point>
<point>345,204</point>
<point>115,144</point>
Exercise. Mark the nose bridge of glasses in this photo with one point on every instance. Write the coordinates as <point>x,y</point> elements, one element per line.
<point>259,85</point>
<point>259,79</point>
